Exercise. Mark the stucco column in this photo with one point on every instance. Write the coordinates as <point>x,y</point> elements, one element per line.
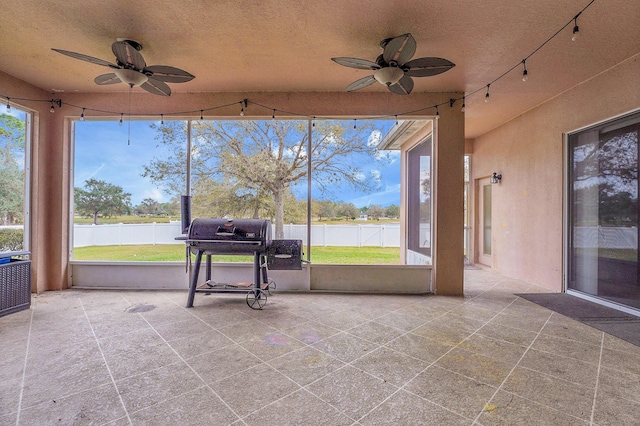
<point>448,214</point>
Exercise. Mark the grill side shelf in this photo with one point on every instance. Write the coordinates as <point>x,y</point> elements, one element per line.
<point>192,242</point>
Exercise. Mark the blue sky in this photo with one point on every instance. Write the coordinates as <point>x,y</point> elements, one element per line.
<point>114,153</point>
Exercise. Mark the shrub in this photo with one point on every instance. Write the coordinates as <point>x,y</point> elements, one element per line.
<point>11,239</point>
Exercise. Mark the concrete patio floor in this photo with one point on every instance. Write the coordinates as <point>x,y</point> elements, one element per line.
<point>89,357</point>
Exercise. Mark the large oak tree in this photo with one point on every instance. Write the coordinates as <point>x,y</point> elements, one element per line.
<point>248,167</point>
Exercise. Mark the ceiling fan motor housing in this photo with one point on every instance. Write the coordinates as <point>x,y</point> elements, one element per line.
<point>388,75</point>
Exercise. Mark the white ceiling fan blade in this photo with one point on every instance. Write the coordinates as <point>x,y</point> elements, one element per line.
<point>156,87</point>
<point>399,49</point>
<point>361,83</point>
<point>361,64</point>
<point>86,58</point>
<point>128,55</point>
<point>402,87</point>
<point>169,74</point>
<point>110,78</point>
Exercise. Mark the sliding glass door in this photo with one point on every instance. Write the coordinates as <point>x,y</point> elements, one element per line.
<point>603,211</point>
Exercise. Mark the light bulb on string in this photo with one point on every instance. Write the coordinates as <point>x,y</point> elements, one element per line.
<point>486,96</point>
<point>201,112</point>
<point>437,113</point>
<point>354,123</point>
<point>244,105</point>
<point>396,119</point>
<point>576,29</point>
<point>162,119</point>
<point>273,115</point>
<point>8,104</point>
<point>525,73</point>
<point>463,100</point>
<point>52,109</point>
<point>82,115</point>
<point>120,122</point>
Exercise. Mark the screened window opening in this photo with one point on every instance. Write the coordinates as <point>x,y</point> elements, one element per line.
<point>128,180</point>
<point>419,203</point>
<point>15,145</point>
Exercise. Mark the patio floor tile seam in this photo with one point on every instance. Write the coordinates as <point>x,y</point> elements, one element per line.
<point>567,357</point>
<point>430,365</point>
<point>24,367</point>
<point>595,391</point>
<point>543,407</point>
<point>424,323</point>
<point>566,339</point>
<point>499,388</point>
<point>301,388</point>
<point>204,382</point>
<point>418,396</point>
<point>385,346</point>
<point>104,360</point>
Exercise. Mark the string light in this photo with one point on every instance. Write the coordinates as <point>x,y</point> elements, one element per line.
<point>52,109</point>
<point>244,105</point>
<point>486,96</point>
<point>313,122</point>
<point>273,115</point>
<point>576,29</point>
<point>201,112</point>
<point>437,113</point>
<point>396,119</point>
<point>82,115</point>
<point>121,115</point>
<point>162,119</point>
<point>8,104</point>
<point>525,73</point>
<point>463,100</point>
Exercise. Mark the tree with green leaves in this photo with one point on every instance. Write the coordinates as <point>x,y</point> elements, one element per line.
<point>149,206</point>
<point>392,211</point>
<point>101,198</point>
<point>12,150</point>
<point>375,212</point>
<point>347,210</point>
<point>254,163</point>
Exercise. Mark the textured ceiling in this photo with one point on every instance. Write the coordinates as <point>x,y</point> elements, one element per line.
<point>286,46</point>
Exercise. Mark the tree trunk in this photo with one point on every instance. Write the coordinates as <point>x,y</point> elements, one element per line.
<point>278,197</point>
<point>95,218</point>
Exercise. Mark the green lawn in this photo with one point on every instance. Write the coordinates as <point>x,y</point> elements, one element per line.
<point>176,253</point>
<point>165,219</point>
<point>125,219</point>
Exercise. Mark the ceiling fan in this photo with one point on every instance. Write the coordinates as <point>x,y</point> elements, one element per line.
<point>130,68</point>
<point>393,67</point>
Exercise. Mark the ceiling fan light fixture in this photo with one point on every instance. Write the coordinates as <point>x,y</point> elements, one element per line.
<point>388,76</point>
<point>131,77</point>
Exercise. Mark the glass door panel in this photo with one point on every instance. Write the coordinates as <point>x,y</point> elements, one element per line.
<point>603,206</point>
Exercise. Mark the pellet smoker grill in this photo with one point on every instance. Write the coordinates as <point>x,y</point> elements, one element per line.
<point>209,236</point>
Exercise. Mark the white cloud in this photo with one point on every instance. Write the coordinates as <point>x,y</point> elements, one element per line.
<point>390,195</point>
<point>154,193</point>
<point>374,138</point>
<point>291,151</point>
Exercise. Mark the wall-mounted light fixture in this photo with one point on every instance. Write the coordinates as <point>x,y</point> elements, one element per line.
<point>495,178</point>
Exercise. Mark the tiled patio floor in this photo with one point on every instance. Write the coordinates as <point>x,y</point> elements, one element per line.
<point>128,357</point>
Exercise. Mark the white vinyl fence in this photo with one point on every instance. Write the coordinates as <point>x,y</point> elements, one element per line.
<point>384,235</point>
<point>606,237</point>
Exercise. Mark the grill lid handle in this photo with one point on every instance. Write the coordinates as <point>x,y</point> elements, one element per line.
<point>228,230</point>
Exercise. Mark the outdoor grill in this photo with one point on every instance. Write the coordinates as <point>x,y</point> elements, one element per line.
<point>208,236</point>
